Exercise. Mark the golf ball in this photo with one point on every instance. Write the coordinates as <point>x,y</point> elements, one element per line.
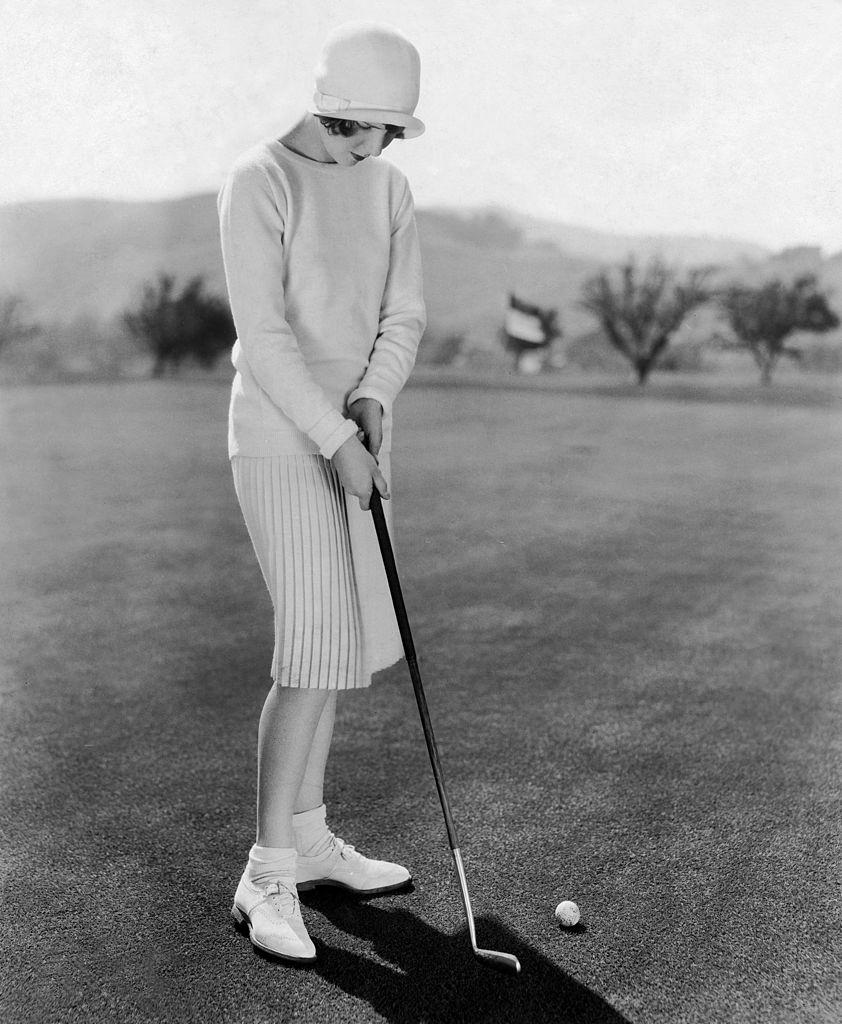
<point>567,913</point>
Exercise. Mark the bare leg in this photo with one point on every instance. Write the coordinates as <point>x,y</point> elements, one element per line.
<point>311,790</point>
<point>288,725</point>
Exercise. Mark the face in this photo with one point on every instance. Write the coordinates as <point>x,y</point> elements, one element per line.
<point>367,141</point>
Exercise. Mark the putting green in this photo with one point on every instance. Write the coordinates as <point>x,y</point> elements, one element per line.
<point>627,610</point>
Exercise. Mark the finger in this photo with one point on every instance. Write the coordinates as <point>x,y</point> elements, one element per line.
<point>375,441</point>
<point>365,500</point>
<point>371,441</point>
<point>381,485</point>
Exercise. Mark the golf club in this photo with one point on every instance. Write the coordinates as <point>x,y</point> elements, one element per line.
<point>503,961</point>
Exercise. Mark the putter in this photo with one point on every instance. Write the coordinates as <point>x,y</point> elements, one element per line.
<point>502,961</point>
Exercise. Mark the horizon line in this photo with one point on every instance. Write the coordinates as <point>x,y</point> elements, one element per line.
<point>770,250</point>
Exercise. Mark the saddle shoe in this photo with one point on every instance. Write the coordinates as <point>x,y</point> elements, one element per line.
<point>343,866</point>
<point>271,915</point>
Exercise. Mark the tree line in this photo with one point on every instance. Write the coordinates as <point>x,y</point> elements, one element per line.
<point>638,308</point>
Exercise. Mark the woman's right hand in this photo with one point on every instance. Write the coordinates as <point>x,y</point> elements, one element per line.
<point>358,471</point>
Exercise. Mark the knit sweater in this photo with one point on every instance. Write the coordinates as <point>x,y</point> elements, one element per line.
<point>324,278</point>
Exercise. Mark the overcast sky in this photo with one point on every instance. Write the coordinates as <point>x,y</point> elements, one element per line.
<point>715,117</point>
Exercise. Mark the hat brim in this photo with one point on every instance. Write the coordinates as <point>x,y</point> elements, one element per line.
<point>412,126</point>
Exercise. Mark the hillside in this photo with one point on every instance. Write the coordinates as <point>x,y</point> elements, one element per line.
<point>74,257</point>
<point>680,250</point>
<point>80,256</point>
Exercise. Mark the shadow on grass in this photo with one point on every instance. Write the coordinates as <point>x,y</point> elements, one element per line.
<point>414,974</point>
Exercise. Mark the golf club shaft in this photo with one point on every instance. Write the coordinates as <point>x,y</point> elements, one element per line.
<point>505,961</point>
<point>409,650</point>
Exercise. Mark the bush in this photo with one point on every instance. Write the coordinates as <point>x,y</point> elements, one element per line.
<point>15,325</point>
<point>175,327</point>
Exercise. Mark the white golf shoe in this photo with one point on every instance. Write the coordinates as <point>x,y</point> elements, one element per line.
<point>272,916</point>
<point>343,866</point>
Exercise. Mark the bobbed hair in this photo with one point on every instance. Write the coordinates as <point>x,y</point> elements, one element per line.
<point>340,126</point>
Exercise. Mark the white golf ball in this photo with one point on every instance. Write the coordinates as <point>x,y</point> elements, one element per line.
<point>567,913</point>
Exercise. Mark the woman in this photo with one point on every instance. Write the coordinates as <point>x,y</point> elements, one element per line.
<point>324,278</point>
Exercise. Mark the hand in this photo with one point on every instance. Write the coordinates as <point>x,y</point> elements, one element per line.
<point>367,413</point>
<point>358,471</point>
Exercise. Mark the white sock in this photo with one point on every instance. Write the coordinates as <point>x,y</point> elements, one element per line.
<point>269,863</point>
<point>312,836</point>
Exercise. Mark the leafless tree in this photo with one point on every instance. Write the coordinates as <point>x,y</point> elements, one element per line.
<point>640,309</point>
<point>763,318</point>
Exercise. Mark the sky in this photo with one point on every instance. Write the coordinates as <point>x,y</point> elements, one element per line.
<point>703,117</point>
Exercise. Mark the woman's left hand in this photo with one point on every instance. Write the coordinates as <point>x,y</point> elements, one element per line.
<point>367,413</point>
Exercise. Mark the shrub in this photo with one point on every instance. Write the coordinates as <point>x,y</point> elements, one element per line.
<point>174,326</point>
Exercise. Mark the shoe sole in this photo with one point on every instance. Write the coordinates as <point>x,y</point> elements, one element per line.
<point>243,924</point>
<point>316,882</point>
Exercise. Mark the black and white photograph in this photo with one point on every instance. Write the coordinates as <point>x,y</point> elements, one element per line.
<point>421,512</point>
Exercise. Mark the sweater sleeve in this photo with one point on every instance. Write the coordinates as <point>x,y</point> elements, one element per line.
<point>251,219</point>
<point>402,314</point>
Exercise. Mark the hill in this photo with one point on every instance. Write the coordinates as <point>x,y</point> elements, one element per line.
<point>680,250</point>
<point>90,257</point>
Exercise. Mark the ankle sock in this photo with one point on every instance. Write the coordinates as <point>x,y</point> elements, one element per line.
<point>269,863</point>
<point>312,836</point>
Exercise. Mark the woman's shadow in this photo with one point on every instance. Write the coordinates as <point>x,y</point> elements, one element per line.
<point>418,974</point>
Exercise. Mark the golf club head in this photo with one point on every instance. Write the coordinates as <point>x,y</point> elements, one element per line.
<point>506,962</point>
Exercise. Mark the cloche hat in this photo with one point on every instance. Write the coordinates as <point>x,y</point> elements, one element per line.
<point>369,72</point>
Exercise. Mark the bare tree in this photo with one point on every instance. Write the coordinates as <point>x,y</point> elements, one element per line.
<point>174,326</point>
<point>763,318</point>
<point>14,326</point>
<point>640,310</point>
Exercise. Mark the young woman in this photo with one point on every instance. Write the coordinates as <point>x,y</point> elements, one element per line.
<point>324,278</point>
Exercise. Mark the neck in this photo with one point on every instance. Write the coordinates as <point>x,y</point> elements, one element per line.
<point>303,138</point>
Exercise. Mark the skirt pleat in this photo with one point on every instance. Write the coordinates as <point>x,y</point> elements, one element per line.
<point>317,550</point>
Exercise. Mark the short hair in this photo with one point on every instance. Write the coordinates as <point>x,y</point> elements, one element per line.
<point>345,128</point>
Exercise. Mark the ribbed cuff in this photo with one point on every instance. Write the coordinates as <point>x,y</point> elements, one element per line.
<point>367,391</point>
<point>332,431</point>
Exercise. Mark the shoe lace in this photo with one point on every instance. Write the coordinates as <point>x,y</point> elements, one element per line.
<point>346,850</point>
<point>282,897</point>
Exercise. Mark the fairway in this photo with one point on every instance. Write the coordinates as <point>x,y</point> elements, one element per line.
<point>627,610</point>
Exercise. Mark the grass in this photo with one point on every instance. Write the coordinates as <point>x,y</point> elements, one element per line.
<point>627,609</point>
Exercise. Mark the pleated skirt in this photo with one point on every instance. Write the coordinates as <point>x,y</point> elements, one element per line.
<point>333,616</point>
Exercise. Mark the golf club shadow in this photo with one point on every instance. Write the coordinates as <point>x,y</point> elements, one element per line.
<point>418,974</point>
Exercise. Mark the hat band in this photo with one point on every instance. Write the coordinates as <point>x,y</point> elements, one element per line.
<point>334,105</point>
